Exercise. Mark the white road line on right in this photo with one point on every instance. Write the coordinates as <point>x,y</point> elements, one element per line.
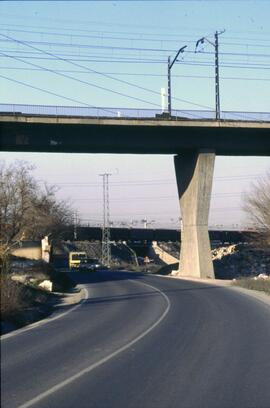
<point>90,368</point>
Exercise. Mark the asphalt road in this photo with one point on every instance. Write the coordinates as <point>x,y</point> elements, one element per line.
<point>173,344</point>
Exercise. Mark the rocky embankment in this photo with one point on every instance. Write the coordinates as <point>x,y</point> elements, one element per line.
<point>235,261</point>
<point>232,261</point>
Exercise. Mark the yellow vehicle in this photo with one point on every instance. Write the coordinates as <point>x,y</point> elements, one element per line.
<point>76,258</point>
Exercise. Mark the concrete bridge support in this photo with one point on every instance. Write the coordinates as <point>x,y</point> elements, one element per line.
<point>194,174</point>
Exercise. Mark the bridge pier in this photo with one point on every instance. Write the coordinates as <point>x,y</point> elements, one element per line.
<point>194,174</point>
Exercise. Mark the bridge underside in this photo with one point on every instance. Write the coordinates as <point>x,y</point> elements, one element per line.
<point>194,142</point>
<point>75,135</point>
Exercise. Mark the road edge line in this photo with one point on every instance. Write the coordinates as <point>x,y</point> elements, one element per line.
<point>260,296</point>
<point>47,319</point>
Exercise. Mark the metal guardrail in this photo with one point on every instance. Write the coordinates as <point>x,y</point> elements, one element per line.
<point>82,111</point>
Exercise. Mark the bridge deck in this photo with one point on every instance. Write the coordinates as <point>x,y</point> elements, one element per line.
<point>51,133</point>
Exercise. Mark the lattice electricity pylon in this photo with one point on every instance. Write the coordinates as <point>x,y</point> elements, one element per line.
<point>106,247</point>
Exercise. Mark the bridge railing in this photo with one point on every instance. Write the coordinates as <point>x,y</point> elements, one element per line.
<point>82,111</point>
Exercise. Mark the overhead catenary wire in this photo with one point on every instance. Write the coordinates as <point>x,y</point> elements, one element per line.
<point>148,49</point>
<point>131,214</point>
<point>140,36</point>
<point>153,198</point>
<point>54,94</point>
<point>80,80</point>
<point>68,56</point>
<point>140,74</point>
<point>80,66</point>
<point>98,46</point>
<point>107,76</point>
<point>136,60</point>
<point>91,84</point>
<point>247,177</point>
<point>134,26</point>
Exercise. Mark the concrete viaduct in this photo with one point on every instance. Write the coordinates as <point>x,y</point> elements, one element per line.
<point>194,144</point>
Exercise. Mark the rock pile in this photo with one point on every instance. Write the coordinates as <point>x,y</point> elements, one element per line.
<point>219,253</point>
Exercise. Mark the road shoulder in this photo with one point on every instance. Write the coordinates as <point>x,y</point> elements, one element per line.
<point>68,301</point>
<point>256,294</point>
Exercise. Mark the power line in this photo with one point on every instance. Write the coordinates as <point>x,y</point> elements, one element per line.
<point>231,65</point>
<point>58,72</point>
<point>89,58</point>
<point>97,86</point>
<point>163,214</point>
<point>130,59</point>
<point>100,35</point>
<point>141,74</point>
<point>89,69</point>
<point>135,26</point>
<point>248,39</point>
<point>92,46</point>
<point>135,60</point>
<point>77,29</point>
<point>80,66</point>
<point>157,181</point>
<point>53,93</point>
<point>244,45</point>
<point>168,197</point>
<point>80,81</point>
<point>95,46</point>
<point>142,34</point>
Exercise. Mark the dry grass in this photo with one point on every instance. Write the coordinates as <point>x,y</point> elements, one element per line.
<point>16,298</point>
<point>250,283</point>
<point>11,296</point>
<point>24,303</point>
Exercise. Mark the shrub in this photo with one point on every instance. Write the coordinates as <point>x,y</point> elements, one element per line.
<point>11,296</point>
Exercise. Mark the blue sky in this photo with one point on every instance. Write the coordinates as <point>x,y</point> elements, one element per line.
<point>67,47</point>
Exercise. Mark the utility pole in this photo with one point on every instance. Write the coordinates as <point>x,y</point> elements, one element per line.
<point>169,87</point>
<point>217,77</point>
<point>217,93</point>
<point>106,248</point>
<point>75,226</point>
<point>170,65</point>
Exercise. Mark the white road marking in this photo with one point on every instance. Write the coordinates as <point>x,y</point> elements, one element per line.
<point>44,321</point>
<point>90,368</point>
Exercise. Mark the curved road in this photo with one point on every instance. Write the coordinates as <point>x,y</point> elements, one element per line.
<point>168,345</point>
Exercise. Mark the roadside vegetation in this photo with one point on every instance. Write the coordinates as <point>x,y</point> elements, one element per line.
<point>21,304</point>
<point>250,283</point>
<point>22,300</point>
<point>28,212</point>
<point>257,207</point>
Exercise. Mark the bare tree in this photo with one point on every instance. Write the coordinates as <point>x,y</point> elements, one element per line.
<point>257,206</point>
<point>28,211</point>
